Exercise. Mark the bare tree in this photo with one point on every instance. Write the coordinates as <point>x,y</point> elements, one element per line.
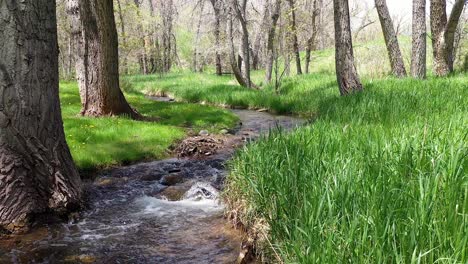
<point>317,5</point>
<point>241,15</point>
<point>275,14</point>
<point>293,32</point>
<point>418,55</point>
<point>391,40</point>
<point>37,174</point>
<point>346,73</point>
<point>217,7</point>
<point>443,34</point>
<point>97,63</point>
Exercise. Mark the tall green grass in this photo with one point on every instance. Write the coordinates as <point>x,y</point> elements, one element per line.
<point>380,177</point>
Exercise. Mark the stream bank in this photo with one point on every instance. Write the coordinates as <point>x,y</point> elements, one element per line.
<point>154,212</point>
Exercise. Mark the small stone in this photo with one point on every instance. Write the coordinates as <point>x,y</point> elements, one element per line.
<point>204,133</point>
<point>173,193</point>
<point>171,179</point>
<point>224,131</point>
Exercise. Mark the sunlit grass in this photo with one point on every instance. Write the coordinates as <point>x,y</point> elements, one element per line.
<point>101,142</point>
<point>380,177</point>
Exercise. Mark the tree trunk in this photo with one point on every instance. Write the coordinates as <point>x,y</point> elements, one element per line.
<point>232,56</point>
<point>294,36</point>
<point>97,63</point>
<point>275,14</point>
<point>311,40</point>
<point>418,56</point>
<point>443,34</point>
<point>217,33</point>
<point>346,74</point>
<point>37,174</point>
<point>438,23</point>
<point>391,40</point>
<point>124,37</point>
<point>241,16</point>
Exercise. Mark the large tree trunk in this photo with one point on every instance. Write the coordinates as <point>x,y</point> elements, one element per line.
<point>295,40</point>
<point>391,40</point>
<point>232,56</point>
<point>275,14</point>
<point>438,22</point>
<point>97,63</point>
<point>443,34</point>
<point>418,55</point>
<point>37,174</point>
<point>346,73</point>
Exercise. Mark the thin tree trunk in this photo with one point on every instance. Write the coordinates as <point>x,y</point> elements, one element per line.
<point>232,56</point>
<point>391,40</point>
<point>275,14</point>
<point>37,174</point>
<point>241,16</point>
<point>311,40</point>
<point>196,67</point>
<point>294,36</point>
<point>217,33</point>
<point>124,37</point>
<point>418,56</point>
<point>97,63</point>
<point>346,74</point>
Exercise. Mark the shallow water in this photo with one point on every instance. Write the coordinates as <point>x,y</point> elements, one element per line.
<point>156,212</point>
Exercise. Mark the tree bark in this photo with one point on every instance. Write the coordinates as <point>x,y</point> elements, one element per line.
<point>295,40</point>
<point>438,19</point>
<point>443,34</point>
<point>418,56</point>
<point>346,73</point>
<point>124,36</point>
<point>97,62</point>
<point>232,56</point>
<point>391,40</point>
<point>37,174</point>
<point>275,14</point>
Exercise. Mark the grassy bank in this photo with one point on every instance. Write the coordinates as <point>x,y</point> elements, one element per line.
<point>380,177</point>
<point>101,142</point>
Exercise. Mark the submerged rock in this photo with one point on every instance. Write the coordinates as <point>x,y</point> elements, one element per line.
<point>171,179</point>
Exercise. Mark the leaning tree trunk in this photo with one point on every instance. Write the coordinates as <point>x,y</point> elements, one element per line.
<point>418,54</point>
<point>97,63</point>
<point>451,29</point>
<point>275,14</point>
<point>37,174</point>
<point>346,73</point>
<point>391,40</point>
<point>295,40</point>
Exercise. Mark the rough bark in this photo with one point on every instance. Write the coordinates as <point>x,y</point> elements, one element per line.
<point>418,54</point>
<point>346,73</point>
<point>97,62</point>
<point>232,57</point>
<point>443,34</point>
<point>391,40</point>
<point>37,174</point>
<point>438,22</point>
<point>124,36</point>
<point>295,41</point>
<point>275,14</point>
<point>313,35</point>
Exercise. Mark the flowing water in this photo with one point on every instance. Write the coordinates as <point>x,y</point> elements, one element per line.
<point>156,212</point>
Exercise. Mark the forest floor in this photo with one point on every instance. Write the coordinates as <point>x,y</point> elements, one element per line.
<point>379,176</point>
